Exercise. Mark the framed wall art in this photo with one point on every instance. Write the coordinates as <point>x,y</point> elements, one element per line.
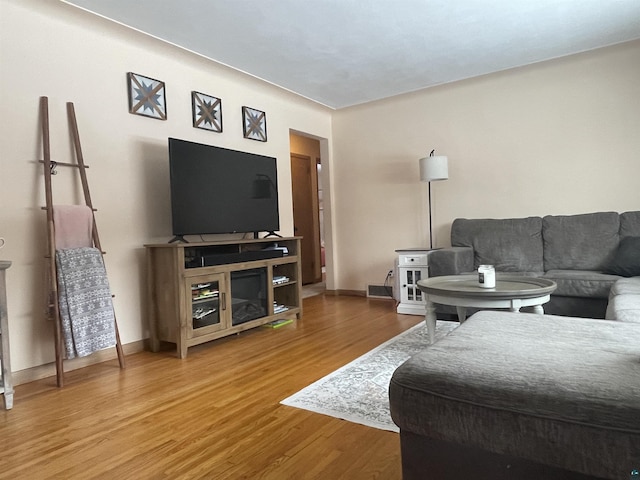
<point>207,112</point>
<point>254,124</point>
<point>146,96</point>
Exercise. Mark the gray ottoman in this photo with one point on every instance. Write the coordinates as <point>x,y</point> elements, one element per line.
<point>517,395</point>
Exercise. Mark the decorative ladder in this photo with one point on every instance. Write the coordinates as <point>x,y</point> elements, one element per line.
<point>49,169</point>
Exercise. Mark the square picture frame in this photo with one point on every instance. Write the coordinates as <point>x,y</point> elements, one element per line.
<point>207,111</point>
<point>146,96</point>
<point>254,124</point>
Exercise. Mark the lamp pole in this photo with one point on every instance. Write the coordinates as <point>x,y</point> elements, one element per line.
<point>430,221</point>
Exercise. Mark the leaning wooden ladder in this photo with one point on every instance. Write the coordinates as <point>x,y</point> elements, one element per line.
<point>49,166</point>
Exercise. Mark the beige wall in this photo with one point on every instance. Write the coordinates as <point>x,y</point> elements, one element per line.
<point>559,137</point>
<point>52,49</point>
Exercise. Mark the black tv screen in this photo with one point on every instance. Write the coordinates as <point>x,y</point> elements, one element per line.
<point>217,190</point>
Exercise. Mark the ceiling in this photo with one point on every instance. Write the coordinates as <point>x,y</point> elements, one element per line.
<point>347,52</point>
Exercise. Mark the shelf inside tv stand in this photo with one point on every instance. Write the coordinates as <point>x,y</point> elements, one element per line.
<point>199,292</point>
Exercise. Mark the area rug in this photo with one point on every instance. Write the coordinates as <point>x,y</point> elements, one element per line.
<point>359,391</point>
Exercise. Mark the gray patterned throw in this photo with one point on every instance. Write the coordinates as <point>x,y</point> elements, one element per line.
<point>86,309</point>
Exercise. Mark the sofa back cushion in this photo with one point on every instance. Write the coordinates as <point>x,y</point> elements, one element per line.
<point>629,224</point>
<point>580,242</point>
<point>511,244</point>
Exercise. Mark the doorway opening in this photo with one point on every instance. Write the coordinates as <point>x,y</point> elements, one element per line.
<point>308,210</point>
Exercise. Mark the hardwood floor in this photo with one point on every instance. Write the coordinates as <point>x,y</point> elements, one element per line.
<point>214,415</point>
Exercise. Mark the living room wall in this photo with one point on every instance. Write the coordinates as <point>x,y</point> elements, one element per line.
<point>55,50</point>
<point>559,137</point>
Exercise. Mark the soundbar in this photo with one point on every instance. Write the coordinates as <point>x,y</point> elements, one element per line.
<point>210,259</point>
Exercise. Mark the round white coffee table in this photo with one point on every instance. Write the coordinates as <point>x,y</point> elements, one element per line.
<point>462,291</point>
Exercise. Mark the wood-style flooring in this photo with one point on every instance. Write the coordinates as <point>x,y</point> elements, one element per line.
<point>215,414</point>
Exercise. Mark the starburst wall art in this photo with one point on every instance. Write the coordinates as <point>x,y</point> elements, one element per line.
<point>207,112</point>
<point>254,124</point>
<point>146,96</point>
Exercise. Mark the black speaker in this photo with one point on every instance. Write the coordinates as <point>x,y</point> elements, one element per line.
<point>210,259</point>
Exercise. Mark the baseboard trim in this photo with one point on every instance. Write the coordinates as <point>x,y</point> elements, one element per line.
<point>352,293</point>
<point>357,293</point>
<point>32,374</point>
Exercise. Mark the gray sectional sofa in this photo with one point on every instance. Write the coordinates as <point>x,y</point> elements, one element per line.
<point>524,396</point>
<point>584,254</point>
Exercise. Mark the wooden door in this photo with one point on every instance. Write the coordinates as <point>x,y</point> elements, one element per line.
<point>306,221</point>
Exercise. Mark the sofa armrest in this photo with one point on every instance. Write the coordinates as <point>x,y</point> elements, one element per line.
<point>450,261</point>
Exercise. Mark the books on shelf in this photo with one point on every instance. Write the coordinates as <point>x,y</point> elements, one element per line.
<point>279,279</point>
<point>200,313</point>
<point>202,291</point>
<point>278,323</point>
<point>277,308</point>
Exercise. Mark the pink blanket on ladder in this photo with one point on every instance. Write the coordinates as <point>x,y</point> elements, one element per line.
<point>73,226</point>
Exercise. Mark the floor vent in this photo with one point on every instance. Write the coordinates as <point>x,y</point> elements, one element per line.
<point>379,291</point>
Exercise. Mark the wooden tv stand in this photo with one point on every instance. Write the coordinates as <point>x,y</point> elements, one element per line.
<point>198,292</point>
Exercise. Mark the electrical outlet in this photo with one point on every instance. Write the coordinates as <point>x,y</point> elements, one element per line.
<point>390,274</point>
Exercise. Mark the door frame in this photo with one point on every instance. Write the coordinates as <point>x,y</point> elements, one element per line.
<point>315,214</point>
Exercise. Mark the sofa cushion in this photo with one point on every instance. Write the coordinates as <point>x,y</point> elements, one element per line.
<point>630,224</point>
<point>624,300</point>
<point>450,261</point>
<point>626,261</point>
<point>626,286</point>
<point>624,308</point>
<point>511,245</point>
<point>580,242</point>
<point>556,390</point>
<point>581,283</point>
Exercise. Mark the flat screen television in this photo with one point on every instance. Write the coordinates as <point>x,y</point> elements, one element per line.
<point>217,190</point>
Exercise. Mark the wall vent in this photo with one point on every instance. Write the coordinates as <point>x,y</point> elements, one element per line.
<point>379,291</point>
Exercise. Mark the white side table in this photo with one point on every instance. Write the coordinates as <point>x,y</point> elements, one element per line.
<point>413,266</point>
<point>7,382</point>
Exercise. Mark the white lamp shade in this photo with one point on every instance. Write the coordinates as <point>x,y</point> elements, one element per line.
<point>434,168</point>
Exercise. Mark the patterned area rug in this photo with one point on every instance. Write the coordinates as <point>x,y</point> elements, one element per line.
<point>358,392</point>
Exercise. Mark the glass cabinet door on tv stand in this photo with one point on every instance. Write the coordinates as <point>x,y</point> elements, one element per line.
<point>207,293</point>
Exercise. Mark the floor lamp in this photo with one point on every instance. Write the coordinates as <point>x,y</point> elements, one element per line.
<point>433,168</point>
